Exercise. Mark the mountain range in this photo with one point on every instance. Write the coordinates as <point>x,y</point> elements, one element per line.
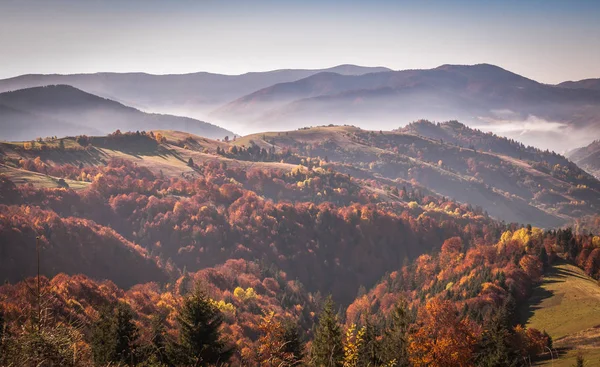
<point>557,117</point>
<point>184,94</point>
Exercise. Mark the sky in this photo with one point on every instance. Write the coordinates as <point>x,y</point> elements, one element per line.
<point>547,40</point>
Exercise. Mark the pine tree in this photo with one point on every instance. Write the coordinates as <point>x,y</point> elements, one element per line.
<point>103,341</point>
<point>327,348</point>
<point>494,347</point>
<point>114,339</point>
<point>126,334</point>
<point>190,162</point>
<point>580,362</point>
<point>294,344</point>
<point>200,342</point>
<point>544,257</point>
<point>370,349</point>
<point>158,339</point>
<point>395,340</point>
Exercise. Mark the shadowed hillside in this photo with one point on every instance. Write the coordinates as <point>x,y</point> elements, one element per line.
<point>62,110</point>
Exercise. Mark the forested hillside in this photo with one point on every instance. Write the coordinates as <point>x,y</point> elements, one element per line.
<point>330,246</point>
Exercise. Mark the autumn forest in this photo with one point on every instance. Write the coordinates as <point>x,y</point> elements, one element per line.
<point>327,246</point>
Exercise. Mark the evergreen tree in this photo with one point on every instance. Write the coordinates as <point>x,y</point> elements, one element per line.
<point>395,340</point>
<point>327,348</point>
<point>544,258</point>
<point>200,342</point>
<point>103,341</point>
<point>293,343</point>
<point>494,347</point>
<point>580,362</point>
<point>126,334</point>
<point>158,339</point>
<point>190,162</point>
<point>370,349</point>
<point>114,338</point>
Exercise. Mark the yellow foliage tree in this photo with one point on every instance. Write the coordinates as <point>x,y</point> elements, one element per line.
<point>352,344</point>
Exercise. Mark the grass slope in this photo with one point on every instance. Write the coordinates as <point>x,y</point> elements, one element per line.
<point>567,306</point>
<point>22,177</point>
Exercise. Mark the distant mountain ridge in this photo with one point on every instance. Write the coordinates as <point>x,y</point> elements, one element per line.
<point>183,94</point>
<point>593,84</point>
<point>63,110</point>
<point>557,117</point>
<point>480,94</point>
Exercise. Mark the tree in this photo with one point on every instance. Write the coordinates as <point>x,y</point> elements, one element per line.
<point>61,144</point>
<point>353,343</point>
<point>327,350</point>
<point>126,334</point>
<point>103,342</point>
<point>3,336</point>
<point>441,338</point>
<point>579,362</point>
<point>114,339</point>
<point>190,162</point>
<point>370,349</point>
<point>200,341</point>
<point>275,349</point>
<point>395,339</point>
<point>155,353</point>
<point>494,346</point>
<point>294,344</point>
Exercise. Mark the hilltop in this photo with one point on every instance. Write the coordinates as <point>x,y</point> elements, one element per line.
<point>512,183</point>
<point>62,110</point>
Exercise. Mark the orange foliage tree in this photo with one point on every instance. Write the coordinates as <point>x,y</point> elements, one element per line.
<point>441,338</point>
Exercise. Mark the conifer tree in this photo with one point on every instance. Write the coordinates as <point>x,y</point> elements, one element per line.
<point>158,340</point>
<point>370,350</point>
<point>293,342</point>
<point>395,340</point>
<point>115,337</point>
<point>494,347</point>
<point>327,350</point>
<point>200,341</point>
<point>103,341</point>
<point>126,334</point>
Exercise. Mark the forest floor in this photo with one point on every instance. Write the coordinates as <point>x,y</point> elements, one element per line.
<point>567,306</point>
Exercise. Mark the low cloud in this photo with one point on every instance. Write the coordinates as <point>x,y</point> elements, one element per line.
<point>529,125</point>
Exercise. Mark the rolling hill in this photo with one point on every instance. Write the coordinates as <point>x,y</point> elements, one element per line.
<point>532,188</point>
<point>62,110</point>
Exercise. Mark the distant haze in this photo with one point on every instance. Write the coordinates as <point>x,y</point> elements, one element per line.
<point>550,41</point>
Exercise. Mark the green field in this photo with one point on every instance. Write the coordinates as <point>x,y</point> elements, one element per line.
<point>567,306</point>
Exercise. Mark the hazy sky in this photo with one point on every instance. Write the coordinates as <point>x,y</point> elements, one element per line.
<point>547,40</point>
